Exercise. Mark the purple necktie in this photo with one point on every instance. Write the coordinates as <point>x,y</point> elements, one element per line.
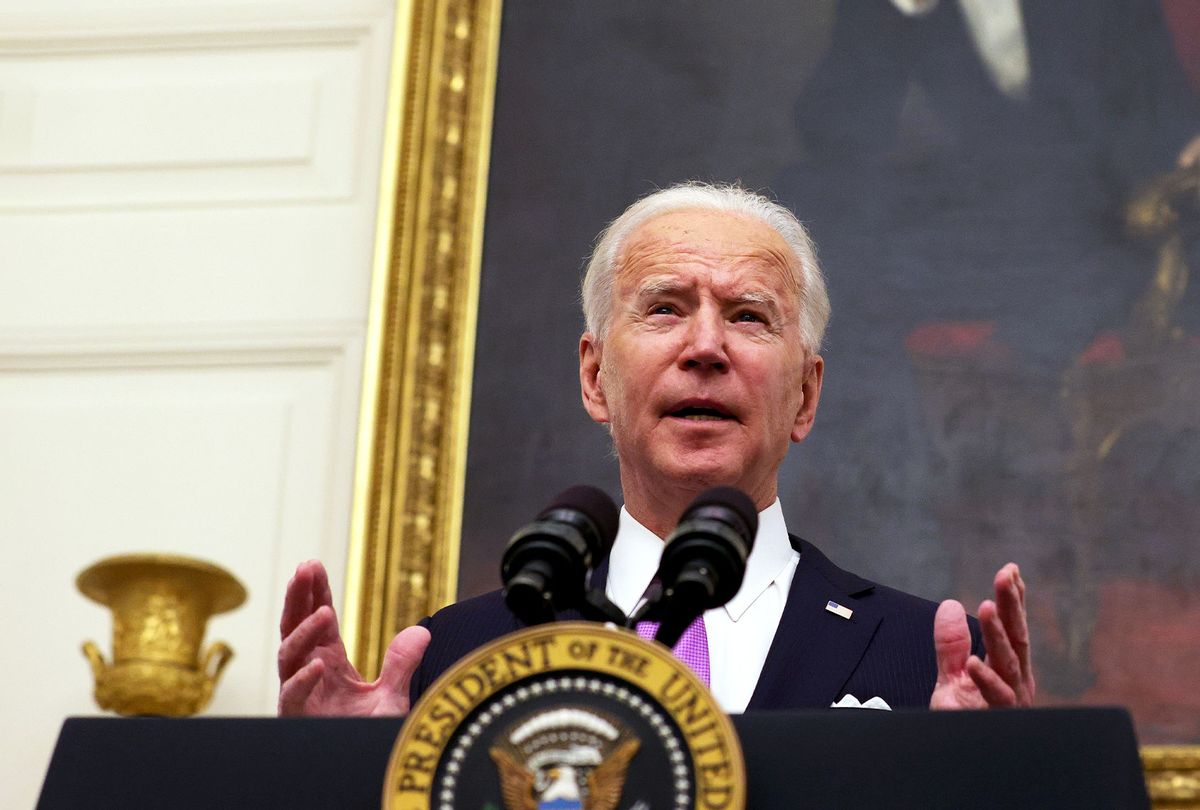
<point>692,647</point>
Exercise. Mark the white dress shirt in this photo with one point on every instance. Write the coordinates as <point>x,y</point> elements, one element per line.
<point>739,633</point>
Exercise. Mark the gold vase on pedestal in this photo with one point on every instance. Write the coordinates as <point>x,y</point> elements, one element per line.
<point>160,604</point>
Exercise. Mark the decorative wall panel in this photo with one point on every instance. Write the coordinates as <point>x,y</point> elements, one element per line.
<point>272,119</point>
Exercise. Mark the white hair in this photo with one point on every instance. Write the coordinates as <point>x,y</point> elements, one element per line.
<point>693,195</point>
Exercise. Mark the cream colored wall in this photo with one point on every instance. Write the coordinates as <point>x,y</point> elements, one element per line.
<point>187,203</point>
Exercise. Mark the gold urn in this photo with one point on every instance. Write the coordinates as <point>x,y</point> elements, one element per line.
<point>160,604</point>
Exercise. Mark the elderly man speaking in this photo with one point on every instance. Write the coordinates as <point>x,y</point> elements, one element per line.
<point>705,311</point>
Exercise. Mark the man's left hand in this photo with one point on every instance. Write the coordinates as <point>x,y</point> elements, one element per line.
<point>1005,676</point>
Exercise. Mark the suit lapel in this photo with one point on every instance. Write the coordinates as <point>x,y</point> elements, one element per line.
<point>599,575</point>
<point>815,651</point>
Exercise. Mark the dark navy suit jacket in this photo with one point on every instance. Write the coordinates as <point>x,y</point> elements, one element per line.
<point>885,649</point>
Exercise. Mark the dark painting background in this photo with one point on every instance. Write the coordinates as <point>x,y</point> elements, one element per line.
<point>987,394</point>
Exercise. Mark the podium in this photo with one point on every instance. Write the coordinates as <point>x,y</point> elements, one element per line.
<point>1052,758</point>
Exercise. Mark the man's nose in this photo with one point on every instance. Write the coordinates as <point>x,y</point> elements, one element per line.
<point>705,347</point>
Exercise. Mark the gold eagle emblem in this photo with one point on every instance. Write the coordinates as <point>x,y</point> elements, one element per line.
<point>564,759</point>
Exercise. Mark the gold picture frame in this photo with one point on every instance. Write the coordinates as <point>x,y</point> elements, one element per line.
<point>1172,776</point>
<point>412,444</point>
<point>403,560</point>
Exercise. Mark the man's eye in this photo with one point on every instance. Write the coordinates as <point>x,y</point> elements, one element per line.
<point>749,317</point>
<point>662,309</point>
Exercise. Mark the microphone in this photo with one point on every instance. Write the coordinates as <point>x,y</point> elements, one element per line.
<point>704,559</point>
<point>545,565</point>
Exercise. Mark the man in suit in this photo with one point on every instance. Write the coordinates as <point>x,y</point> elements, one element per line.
<point>705,310</point>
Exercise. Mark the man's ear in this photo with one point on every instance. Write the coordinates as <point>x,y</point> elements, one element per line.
<point>811,391</point>
<point>589,378</point>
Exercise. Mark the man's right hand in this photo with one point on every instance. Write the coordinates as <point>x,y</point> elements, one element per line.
<point>315,675</point>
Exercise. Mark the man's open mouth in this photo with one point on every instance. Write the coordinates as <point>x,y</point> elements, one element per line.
<point>701,413</point>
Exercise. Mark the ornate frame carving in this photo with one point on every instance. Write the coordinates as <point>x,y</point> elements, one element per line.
<point>403,561</point>
<point>1172,776</point>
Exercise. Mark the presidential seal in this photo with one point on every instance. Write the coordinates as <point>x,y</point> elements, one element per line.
<point>567,716</point>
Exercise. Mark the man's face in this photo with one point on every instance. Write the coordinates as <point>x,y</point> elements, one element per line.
<point>701,375</point>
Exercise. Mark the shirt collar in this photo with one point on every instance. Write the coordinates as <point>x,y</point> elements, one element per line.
<point>636,551</point>
<point>632,562</point>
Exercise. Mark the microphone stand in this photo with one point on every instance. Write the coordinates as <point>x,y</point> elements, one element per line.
<point>597,607</point>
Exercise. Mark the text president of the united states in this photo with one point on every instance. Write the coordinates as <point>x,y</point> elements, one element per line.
<point>705,311</point>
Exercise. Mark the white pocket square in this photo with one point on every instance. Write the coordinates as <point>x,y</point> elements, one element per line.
<point>851,702</point>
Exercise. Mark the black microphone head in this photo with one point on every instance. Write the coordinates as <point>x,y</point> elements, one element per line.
<point>731,498</point>
<point>704,559</point>
<point>545,564</point>
<point>596,505</point>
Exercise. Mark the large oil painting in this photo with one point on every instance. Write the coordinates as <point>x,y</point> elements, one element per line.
<point>1013,364</point>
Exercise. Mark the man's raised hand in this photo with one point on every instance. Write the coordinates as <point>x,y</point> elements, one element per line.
<point>1005,677</point>
<point>315,675</point>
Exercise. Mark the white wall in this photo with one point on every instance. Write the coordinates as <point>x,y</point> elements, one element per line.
<point>187,203</point>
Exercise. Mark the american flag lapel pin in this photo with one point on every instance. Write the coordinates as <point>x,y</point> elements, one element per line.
<point>838,610</point>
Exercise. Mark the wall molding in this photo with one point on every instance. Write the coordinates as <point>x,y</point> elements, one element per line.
<point>133,35</point>
<point>188,346</point>
<point>273,113</point>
